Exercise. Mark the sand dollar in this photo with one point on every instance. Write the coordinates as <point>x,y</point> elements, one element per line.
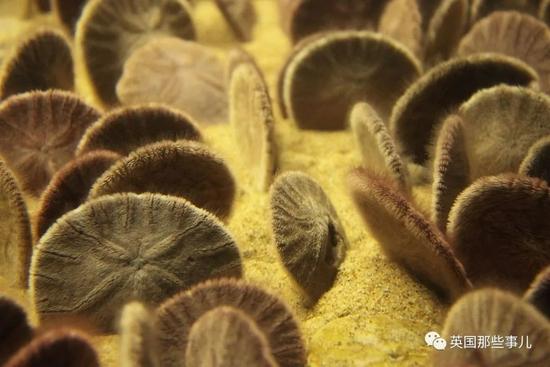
<point>68,12</point>
<point>137,337</point>
<point>241,16</point>
<point>537,161</point>
<point>402,21</point>
<point>15,330</point>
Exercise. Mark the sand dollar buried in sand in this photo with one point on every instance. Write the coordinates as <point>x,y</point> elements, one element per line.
<point>15,330</point>
<point>110,30</point>
<point>499,230</point>
<point>227,336</point>
<point>402,21</point>
<point>69,187</point>
<point>181,74</point>
<point>185,169</point>
<point>494,313</point>
<point>241,16</point>
<point>128,247</point>
<point>42,61</point>
<point>513,34</point>
<point>40,131</point>
<point>251,116</point>
<point>137,347</point>
<point>15,235</point>
<point>307,231</point>
<point>406,236</point>
<point>423,106</point>
<point>330,73</point>
<point>129,128</point>
<point>176,317</point>
<point>537,161</point>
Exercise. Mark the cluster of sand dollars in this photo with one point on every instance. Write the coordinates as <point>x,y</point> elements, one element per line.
<point>449,92</point>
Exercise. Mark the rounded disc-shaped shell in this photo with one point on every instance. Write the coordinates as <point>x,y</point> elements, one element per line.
<point>137,337</point>
<point>451,171</point>
<point>68,12</point>
<point>176,317</point>
<point>333,72</point>
<point>307,231</point>
<point>513,34</point>
<point>15,330</point>
<point>110,30</point>
<point>482,8</point>
<point>544,11</point>
<point>40,131</point>
<point>65,348</point>
<point>227,337</point>
<point>181,74</point>
<point>43,61</point>
<point>406,236</point>
<point>491,312</point>
<point>126,247</point>
<point>402,21</point>
<point>70,187</point>
<point>499,231</point>
<point>127,129</point>
<point>500,125</point>
<point>377,145</point>
<point>251,115</point>
<point>423,106</point>
<point>537,161</point>
<point>241,16</point>
<point>185,169</point>
<point>539,292</point>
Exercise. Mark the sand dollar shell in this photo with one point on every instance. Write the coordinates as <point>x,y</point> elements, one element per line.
<point>451,170</point>
<point>43,61</point>
<point>498,228</point>
<point>137,337</point>
<point>15,330</point>
<point>513,34</point>
<point>226,336</point>
<point>503,117</point>
<point>402,21</point>
<point>544,11</point>
<point>70,187</point>
<point>537,161</point>
<point>539,292</point>
<point>251,115</point>
<point>176,317</point>
<point>15,235</point>
<point>423,106</point>
<point>483,8</point>
<point>40,131</point>
<point>129,128</point>
<point>68,12</point>
<point>185,169</point>
<point>491,312</point>
<point>181,74</point>
<point>377,145</point>
<point>126,247</point>
<point>241,16</point>
<point>332,73</point>
<point>406,236</point>
<point>110,30</point>
<point>307,231</point>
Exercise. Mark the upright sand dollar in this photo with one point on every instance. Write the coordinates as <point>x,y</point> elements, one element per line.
<point>15,330</point>
<point>402,21</point>
<point>110,30</point>
<point>68,12</point>
<point>137,337</point>
<point>537,160</point>
<point>482,8</point>
<point>538,293</point>
<point>331,73</point>
<point>183,168</point>
<point>241,16</point>
<point>126,247</point>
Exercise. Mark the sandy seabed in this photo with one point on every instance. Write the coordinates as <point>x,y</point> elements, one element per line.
<point>375,314</point>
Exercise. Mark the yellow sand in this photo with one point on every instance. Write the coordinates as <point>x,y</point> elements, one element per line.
<point>376,314</point>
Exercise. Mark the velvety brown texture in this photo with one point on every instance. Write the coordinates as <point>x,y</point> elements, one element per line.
<point>137,337</point>
<point>241,16</point>
<point>539,292</point>
<point>537,161</point>
<point>483,8</point>
<point>68,12</point>
<point>402,21</point>
<point>15,330</point>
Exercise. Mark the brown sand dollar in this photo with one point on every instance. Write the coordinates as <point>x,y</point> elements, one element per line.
<point>377,145</point>
<point>251,116</point>
<point>15,234</point>
<point>406,236</point>
<point>68,12</point>
<point>422,107</point>
<point>491,312</point>
<point>175,318</point>
<point>500,125</point>
<point>110,30</point>
<point>130,247</point>
<point>181,74</point>
<point>537,161</point>
<point>308,234</point>
<point>137,337</point>
<point>185,169</point>
<point>402,21</point>
<point>15,330</point>
<point>43,61</point>
<point>544,11</point>
<point>129,128</point>
<point>332,73</point>
<point>241,16</point>
<point>483,8</point>
<point>513,34</point>
<point>451,171</point>
<point>227,337</point>
<point>538,293</point>
<point>498,228</point>
<point>64,348</point>
<point>40,131</point>
<point>70,187</point>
